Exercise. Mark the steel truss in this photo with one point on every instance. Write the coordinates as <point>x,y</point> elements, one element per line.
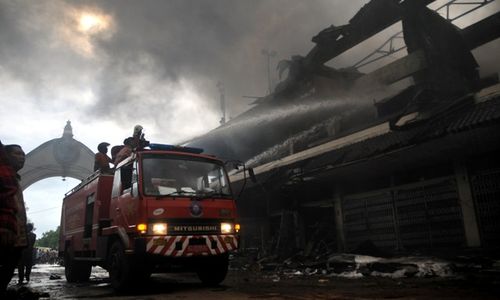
<point>390,47</point>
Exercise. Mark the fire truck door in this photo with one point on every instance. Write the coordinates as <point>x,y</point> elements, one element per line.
<point>126,205</point>
<point>89,216</point>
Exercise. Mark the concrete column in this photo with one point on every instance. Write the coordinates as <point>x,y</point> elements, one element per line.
<point>339,221</point>
<point>472,236</point>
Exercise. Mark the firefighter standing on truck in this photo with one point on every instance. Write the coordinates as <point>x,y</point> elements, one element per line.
<point>102,160</point>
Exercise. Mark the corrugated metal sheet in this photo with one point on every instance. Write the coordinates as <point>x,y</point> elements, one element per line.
<point>430,216</point>
<point>485,186</point>
<point>481,114</point>
<point>423,215</point>
<point>369,217</point>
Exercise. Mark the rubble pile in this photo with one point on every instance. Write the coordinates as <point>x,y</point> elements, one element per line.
<point>358,266</point>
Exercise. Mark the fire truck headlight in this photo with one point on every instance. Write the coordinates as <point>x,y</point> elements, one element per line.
<point>226,228</point>
<point>159,228</point>
<point>142,228</point>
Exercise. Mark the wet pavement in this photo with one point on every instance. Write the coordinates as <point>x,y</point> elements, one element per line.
<point>48,282</point>
<point>253,281</point>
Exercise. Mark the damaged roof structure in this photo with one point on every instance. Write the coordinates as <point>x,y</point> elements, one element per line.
<point>342,158</point>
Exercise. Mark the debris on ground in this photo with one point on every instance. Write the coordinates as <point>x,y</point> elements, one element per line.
<point>348,265</point>
<point>54,277</point>
<point>24,293</point>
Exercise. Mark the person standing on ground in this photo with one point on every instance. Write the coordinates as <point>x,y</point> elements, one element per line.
<point>8,220</point>
<point>16,239</point>
<point>26,262</point>
<point>102,160</point>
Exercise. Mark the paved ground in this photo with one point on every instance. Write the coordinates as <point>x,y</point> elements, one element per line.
<point>264,285</point>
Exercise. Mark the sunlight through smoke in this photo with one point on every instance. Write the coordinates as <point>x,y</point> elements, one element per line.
<point>85,26</point>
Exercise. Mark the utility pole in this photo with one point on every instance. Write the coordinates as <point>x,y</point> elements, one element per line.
<point>220,86</point>
<point>269,54</point>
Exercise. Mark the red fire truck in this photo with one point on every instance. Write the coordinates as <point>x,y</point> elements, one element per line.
<point>164,209</point>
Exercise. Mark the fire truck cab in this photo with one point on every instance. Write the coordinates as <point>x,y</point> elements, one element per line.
<point>164,209</point>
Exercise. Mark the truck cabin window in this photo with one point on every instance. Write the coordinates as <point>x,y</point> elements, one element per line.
<point>192,177</point>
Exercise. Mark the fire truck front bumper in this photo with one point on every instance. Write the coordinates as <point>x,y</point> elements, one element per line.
<point>192,245</point>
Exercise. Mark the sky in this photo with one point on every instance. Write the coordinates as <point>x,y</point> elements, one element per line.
<point>109,65</point>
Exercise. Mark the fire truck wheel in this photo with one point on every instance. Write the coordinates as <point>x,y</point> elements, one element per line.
<point>212,270</point>
<point>75,271</point>
<point>120,269</point>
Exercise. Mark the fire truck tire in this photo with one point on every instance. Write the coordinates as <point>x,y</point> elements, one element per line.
<point>75,271</point>
<point>120,268</point>
<point>213,270</point>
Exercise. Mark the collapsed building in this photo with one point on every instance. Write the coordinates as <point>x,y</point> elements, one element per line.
<point>342,157</point>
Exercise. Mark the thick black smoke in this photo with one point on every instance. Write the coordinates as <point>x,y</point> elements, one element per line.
<point>158,51</point>
<point>159,47</point>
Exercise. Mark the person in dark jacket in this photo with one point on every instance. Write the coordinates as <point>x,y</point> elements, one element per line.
<point>26,262</point>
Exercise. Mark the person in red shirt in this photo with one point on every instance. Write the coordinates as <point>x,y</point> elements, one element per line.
<point>129,144</point>
<point>102,160</point>
<point>8,207</point>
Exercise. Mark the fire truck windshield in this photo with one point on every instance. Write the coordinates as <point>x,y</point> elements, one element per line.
<point>183,176</point>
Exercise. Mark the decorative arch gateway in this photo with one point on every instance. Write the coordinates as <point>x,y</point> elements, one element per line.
<point>65,157</point>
